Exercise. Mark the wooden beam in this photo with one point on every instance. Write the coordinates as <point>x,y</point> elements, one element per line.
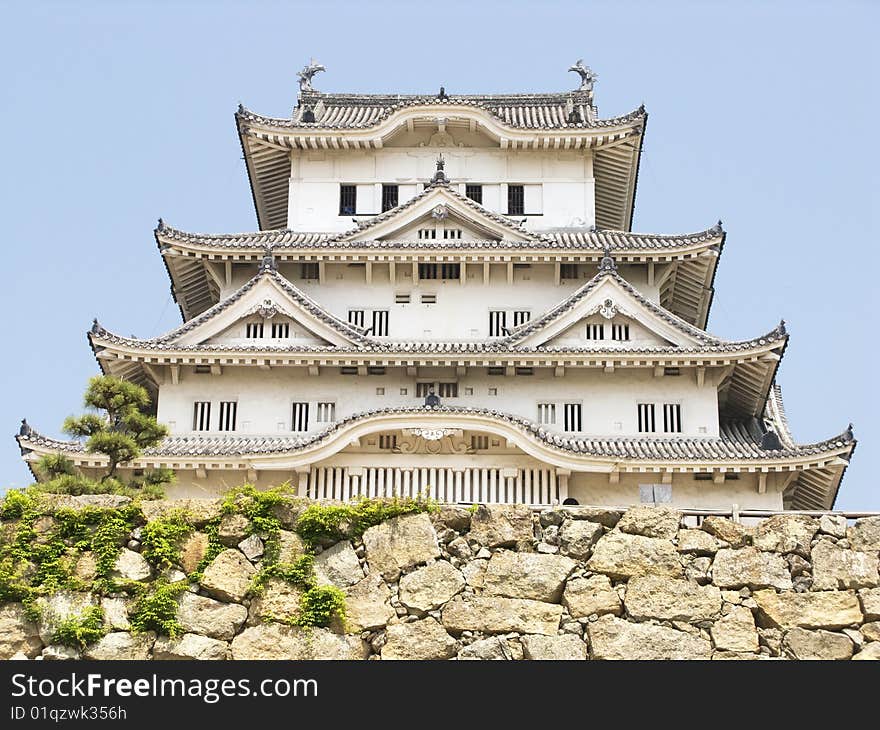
<point>462,269</point>
<point>175,374</point>
<point>510,272</point>
<point>322,273</point>
<point>762,482</point>
<point>368,272</point>
<point>701,376</point>
<point>557,273</point>
<point>485,272</point>
<point>314,370</point>
<point>228,272</point>
<point>392,272</point>
<point>216,370</point>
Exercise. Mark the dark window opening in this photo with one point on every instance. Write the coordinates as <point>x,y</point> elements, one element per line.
<point>389,197</point>
<point>309,270</point>
<point>516,200</point>
<point>347,200</point>
<point>474,192</point>
<point>228,412</point>
<point>300,420</point>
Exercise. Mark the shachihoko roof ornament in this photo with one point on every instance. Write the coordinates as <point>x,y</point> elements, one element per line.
<point>588,76</point>
<point>607,263</point>
<point>308,73</point>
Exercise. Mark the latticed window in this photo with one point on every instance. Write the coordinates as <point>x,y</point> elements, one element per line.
<point>228,412</point>
<point>474,192</point>
<point>672,417</point>
<point>348,199</point>
<point>380,323</point>
<point>326,413</point>
<point>596,331</point>
<point>201,415</point>
<point>547,414</point>
<point>521,316</point>
<point>447,390</point>
<point>497,323</point>
<point>300,420</point>
<point>479,443</point>
<point>452,234</point>
<point>309,270</point>
<point>427,233</point>
<point>356,317</point>
<point>572,413</point>
<point>388,441</point>
<point>280,330</point>
<point>254,330</point>
<point>389,197</point>
<point>620,332</point>
<point>516,200</point>
<point>568,271</point>
<point>646,418</point>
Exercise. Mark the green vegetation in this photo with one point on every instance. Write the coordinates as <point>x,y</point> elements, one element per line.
<point>161,539</point>
<point>320,522</point>
<point>319,606</point>
<point>156,609</point>
<point>80,631</point>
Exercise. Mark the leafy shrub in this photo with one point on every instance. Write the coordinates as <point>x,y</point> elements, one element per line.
<point>80,631</point>
<point>156,609</point>
<point>336,522</point>
<point>160,539</point>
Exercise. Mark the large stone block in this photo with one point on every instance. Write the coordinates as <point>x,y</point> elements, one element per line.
<point>750,567</point>
<point>594,595</point>
<point>819,610</point>
<point>190,646</point>
<point>577,538</point>
<point>661,522</point>
<point>198,511</point>
<point>733,533</point>
<point>278,641</point>
<point>865,534</point>
<point>501,615</point>
<point>786,534</point>
<point>367,604</point>
<point>621,555</point>
<point>338,566</point>
<point>554,648</point>
<point>527,575</point>
<point>803,644</point>
<point>130,565</point>
<point>424,639</point>
<point>839,568</point>
<point>870,600</point>
<point>430,587</point>
<point>671,600</point>
<point>60,607</point>
<point>495,648</point>
<point>614,638</point>
<point>400,543</point>
<point>501,525</point>
<point>697,542</point>
<point>202,615</point>
<point>121,645</point>
<point>735,631</point>
<point>278,601</point>
<point>18,635</point>
<point>228,577</point>
<point>193,549</point>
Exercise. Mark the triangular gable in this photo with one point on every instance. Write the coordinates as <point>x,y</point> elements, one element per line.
<point>266,296</point>
<point>608,298</point>
<point>439,202</point>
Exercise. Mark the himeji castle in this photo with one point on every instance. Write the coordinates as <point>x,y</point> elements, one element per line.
<point>445,297</point>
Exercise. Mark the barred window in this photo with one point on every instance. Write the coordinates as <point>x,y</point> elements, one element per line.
<point>228,412</point>
<point>254,330</point>
<point>646,418</point>
<point>547,414</point>
<point>452,234</point>
<point>347,200</point>
<point>280,330</point>
<point>326,413</point>
<point>428,299</point>
<point>427,233</point>
<point>309,270</point>
<point>568,271</point>
<point>474,192</point>
<point>389,197</point>
<point>348,370</point>
<point>356,317</point>
<point>596,331</point>
<point>201,415</point>
<point>620,332</point>
<point>300,420</point>
<point>516,200</point>
<point>401,298</point>
<point>495,370</point>
<point>447,390</point>
<point>572,416</point>
<point>428,271</point>
<point>479,443</point>
<point>672,417</point>
<point>439,271</point>
<point>521,316</point>
<point>423,389</point>
<point>388,441</point>
<point>380,322</point>
<point>497,323</point>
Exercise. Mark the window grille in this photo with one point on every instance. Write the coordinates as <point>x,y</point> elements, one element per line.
<point>254,330</point>
<point>389,197</point>
<point>228,412</point>
<point>325,413</point>
<point>515,200</point>
<point>646,418</point>
<point>348,200</point>
<point>547,414</point>
<point>280,330</point>
<point>672,417</point>
<point>474,192</point>
<point>572,417</point>
<point>300,420</point>
<point>201,416</point>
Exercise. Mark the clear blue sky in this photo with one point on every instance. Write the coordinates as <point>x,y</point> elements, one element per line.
<point>761,114</point>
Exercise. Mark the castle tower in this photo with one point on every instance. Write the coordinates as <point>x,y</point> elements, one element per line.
<point>445,296</point>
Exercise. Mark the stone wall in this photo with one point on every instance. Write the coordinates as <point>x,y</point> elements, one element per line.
<point>502,582</point>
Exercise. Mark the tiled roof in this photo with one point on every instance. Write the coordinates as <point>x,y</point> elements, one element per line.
<point>520,111</point>
<point>738,440</point>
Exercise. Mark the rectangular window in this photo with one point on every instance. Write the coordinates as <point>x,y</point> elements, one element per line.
<point>468,391</point>
<point>401,298</point>
<point>356,317</point>
<point>326,413</point>
<point>495,370</point>
<point>201,415</point>
<point>450,271</point>
<point>427,271</point>
<point>300,420</point>
<point>596,331</point>
<point>202,369</point>
<point>474,192</point>
<point>309,270</point>
<point>376,370</point>
<point>655,493</point>
<point>388,441</point>
<point>254,330</point>
<point>427,233</point>
<point>572,416</point>
<point>452,234</point>
<point>568,271</point>
<point>672,418</point>
<point>646,418</point>
<point>525,371</point>
<point>389,197</point>
<point>547,414</point>
<point>620,332</point>
<point>447,390</point>
<point>429,298</point>
<point>347,200</point>
<point>493,391</point>
<point>516,200</point>
<point>228,412</point>
<point>479,443</point>
<point>280,330</point>
<point>497,323</point>
<point>380,323</point>
<point>348,370</point>
<point>439,271</point>
<point>671,371</point>
<point>521,316</point>
<point>423,389</point>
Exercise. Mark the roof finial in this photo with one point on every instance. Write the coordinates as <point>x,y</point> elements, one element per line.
<point>96,328</point>
<point>848,433</point>
<point>308,73</point>
<point>25,429</point>
<point>440,176</point>
<point>781,328</point>
<point>442,95</point>
<point>268,262</point>
<point>161,224</point>
<point>607,263</point>
<point>588,77</point>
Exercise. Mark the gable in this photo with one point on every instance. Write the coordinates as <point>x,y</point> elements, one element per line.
<point>256,330</point>
<point>595,330</point>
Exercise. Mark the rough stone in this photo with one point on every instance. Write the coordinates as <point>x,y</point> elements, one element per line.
<point>198,511</point>
<point>564,647</point>
<point>735,631</point>
<point>786,534</point>
<point>278,641</point>
<point>501,525</point>
<point>500,615</point>
<point>17,633</point>
<point>495,648</point>
<point>733,533</point>
<point>459,548</point>
<point>279,600</point>
<point>577,537</point>
<point>661,522</point>
<point>820,610</point>
<point>228,577</point>
<point>474,573</point>
<point>607,517</point>
<point>750,567</point>
<point>697,542</point>
<point>131,566</point>
<point>527,575</point>
<point>290,546</point>
<point>621,555</point>
<point>614,638</point>
<point>193,549</point>
<point>86,567</point>
<point>870,600</point>
<point>202,615</point>
<point>430,587</point>
<point>803,644</point>
<point>455,518</point>
<point>424,639</point>
<point>870,652</point>
<point>121,645</point>
<point>834,525</point>
<point>252,547</point>
<point>233,529</point>
<point>588,596</point>
<point>190,646</point>
<point>367,604</point>
<point>115,614</point>
<point>58,652</point>
<point>671,600</point>
<point>59,607</point>
<point>80,501</point>
<point>400,543</point>
<point>288,512</point>
<point>838,568</point>
<point>865,534</point>
<point>338,566</point>
<point>871,631</point>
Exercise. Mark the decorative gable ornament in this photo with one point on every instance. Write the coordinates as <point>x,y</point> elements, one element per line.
<point>608,309</point>
<point>440,212</point>
<point>267,309</point>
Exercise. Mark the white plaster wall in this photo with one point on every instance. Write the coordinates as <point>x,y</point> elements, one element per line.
<point>609,399</point>
<point>567,197</point>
